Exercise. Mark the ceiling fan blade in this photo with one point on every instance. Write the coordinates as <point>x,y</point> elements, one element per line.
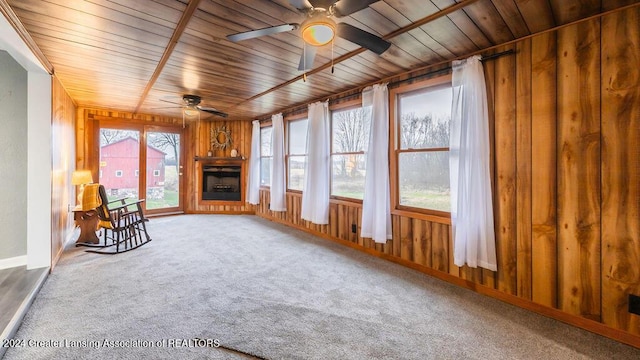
<point>212,111</point>
<point>262,32</point>
<point>362,38</point>
<point>348,7</point>
<point>300,4</point>
<point>171,102</point>
<point>306,60</point>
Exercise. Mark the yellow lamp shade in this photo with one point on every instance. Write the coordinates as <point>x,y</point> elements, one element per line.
<point>81,177</point>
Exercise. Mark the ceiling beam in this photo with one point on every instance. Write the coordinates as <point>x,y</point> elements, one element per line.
<point>177,33</point>
<point>353,53</point>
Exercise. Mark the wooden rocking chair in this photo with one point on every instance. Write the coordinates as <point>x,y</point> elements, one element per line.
<point>123,224</point>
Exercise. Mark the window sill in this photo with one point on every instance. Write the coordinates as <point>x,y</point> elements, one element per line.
<point>442,219</point>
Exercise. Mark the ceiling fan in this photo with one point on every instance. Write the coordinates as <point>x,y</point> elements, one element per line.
<point>319,29</point>
<point>191,106</point>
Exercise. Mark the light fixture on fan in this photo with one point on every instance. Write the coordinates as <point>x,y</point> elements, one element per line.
<point>191,110</point>
<point>318,30</point>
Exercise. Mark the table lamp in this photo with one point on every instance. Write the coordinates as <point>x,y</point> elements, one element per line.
<point>81,177</point>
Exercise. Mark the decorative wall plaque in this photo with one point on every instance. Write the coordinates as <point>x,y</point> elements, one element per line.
<point>221,137</point>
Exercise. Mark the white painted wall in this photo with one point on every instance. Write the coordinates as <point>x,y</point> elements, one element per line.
<point>37,191</point>
<point>13,160</point>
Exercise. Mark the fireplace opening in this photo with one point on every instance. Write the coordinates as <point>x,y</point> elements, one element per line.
<point>221,182</point>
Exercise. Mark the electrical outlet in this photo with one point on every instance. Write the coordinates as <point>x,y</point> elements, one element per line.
<point>354,228</point>
<point>634,304</point>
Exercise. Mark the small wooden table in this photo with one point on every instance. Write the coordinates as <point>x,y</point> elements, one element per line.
<point>87,221</point>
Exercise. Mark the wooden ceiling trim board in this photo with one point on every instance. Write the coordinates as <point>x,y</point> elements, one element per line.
<point>17,25</point>
<point>182,24</point>
<point>341,58</point>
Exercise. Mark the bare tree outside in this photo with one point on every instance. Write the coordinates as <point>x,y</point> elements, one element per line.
<point>110,136</point>
<point>167,142</point>
<point>350,130</point>
<point>423,162</point>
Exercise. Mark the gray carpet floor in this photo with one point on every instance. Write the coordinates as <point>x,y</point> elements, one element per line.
<point>264,289</point>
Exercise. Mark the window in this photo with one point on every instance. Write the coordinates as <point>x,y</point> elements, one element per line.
<point>118,173</point>
<point>297,151</point>
<point>266,154</point>
<point>137,173</point>
<point>422,129</point>
<point>156,172</point>
<point>349,140</point>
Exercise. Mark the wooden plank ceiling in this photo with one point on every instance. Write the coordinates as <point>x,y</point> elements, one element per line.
<point>130,55</point>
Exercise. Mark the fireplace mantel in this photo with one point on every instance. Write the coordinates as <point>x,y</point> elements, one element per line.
<point>218,159</point>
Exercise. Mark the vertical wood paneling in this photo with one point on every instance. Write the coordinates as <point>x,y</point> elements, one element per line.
<point>505,138</point>
<point>63,151</point>
<point>406,239</point>
<point>620,168</point>
<point>543,170</point>
<point>579,169</point>
<point>523,169</point>
<point>489,277</point>
<point>440,247</point>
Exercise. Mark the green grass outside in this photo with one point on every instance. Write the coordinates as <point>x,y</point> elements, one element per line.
<point>170,200</point>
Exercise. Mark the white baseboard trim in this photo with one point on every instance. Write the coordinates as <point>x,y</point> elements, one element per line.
<point>13,262</point>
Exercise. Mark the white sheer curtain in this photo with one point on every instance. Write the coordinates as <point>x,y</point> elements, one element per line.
<point>315,197</point>
<point>278,173</point>
<point>253,190</point>
<point>376,204</point>
<point>471,204</point>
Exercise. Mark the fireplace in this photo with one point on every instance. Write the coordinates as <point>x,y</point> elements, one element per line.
<point>221,182</point>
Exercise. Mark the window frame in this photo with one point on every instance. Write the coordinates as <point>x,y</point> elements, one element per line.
<point>263,125</point>
<point>288,120</point>
<point>395,142</point>
<point>343,106</point>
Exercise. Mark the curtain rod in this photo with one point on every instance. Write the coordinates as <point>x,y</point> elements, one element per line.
<point>448,68</point>
<point>301,108</point>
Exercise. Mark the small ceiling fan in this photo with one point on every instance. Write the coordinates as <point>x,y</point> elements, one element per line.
<point>319,29</point>
<point>191,106</point>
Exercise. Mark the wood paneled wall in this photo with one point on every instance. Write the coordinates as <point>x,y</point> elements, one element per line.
<point>63,152</point>
<point>241,140</point>
<point>566,128</point>
<point>197,140</point>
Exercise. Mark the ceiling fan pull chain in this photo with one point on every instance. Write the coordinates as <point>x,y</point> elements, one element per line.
<point>332,56</point>
<point>304,62</point>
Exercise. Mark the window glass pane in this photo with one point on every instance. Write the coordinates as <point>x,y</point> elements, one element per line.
<point>163,155</point>
<point>425,117</point>
<point>424,180</point>
<point>348,175</point>
<point>298,137</point>
<point>296,172</point>
<point>350,129</point>
<point>265,171</point>
<point>119,159</point>
<point>265,141</point>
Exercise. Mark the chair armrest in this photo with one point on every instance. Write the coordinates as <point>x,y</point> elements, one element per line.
<point>121,206</point>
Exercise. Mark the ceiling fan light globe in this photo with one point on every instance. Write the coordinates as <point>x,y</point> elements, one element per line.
<point>318,32</point>
<point>190,112</point>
